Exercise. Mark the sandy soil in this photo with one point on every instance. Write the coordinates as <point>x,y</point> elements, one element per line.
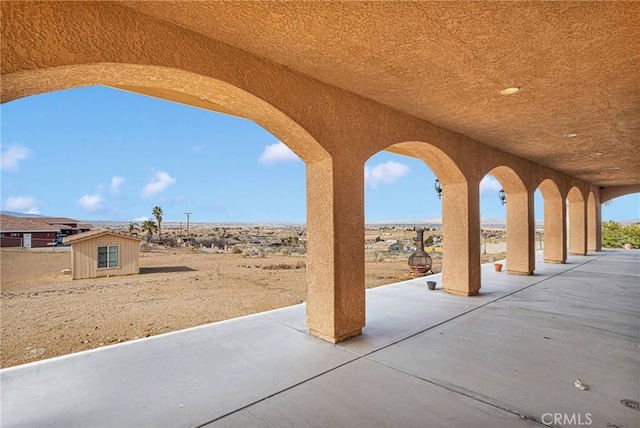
<point>45,314</point>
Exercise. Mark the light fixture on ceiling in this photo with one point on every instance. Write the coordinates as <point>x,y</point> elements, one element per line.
<point>570,135</point>
<point>438,186</point>
<point>510,91</point>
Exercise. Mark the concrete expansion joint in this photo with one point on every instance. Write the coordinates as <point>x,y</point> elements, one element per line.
<point>465,393</point>
<point>486,304</point>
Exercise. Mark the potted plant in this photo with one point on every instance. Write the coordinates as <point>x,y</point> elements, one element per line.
<point>431,285</point>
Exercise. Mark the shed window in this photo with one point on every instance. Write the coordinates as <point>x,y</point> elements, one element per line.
<point>107,257</point>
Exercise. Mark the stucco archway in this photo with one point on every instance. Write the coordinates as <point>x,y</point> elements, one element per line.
<point>520,221</point>
<point>555,225</point>
<point>592,223</point>
<point>172,85</point>
<point>577,229</point>
<point>460,221</point>
<point>205,92</point>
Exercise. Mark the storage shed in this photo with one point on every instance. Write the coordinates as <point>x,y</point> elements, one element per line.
<point>103,252</point>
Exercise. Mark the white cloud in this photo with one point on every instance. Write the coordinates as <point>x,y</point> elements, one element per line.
<point>12,156</point>
<point>384,173</point>
<point>489,184</point>
<point>143,218</point>
<point>278,152</point>
<point>21,204</point>
<point>116,183</point>
<point>161,181</point>
<point>91,203</point>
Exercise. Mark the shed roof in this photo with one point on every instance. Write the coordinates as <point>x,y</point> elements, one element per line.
<point>95,233</point>
<point>9,223</point>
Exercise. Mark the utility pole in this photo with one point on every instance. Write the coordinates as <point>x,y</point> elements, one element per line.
<point>188,236</point>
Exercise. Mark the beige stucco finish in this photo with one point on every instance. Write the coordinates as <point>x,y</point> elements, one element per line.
<point>338,82</point>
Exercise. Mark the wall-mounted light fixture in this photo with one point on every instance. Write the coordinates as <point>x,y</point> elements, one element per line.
<point>502,196</point>
<point>438,186</point>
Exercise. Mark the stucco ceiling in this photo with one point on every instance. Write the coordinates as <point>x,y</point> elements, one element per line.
<point>577,64</point>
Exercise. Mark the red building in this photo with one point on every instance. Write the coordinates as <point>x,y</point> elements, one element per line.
<point>35,232</point>
<point>25,232</point>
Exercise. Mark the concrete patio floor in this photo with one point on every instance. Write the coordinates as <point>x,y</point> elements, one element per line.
<point>506,358</point>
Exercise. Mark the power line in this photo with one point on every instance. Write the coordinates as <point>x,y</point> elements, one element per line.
<point>188,235</point>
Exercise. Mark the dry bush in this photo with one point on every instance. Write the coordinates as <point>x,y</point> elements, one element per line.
<point>285,266</point>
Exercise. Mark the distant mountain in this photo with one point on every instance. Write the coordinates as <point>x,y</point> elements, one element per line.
<point>629,221</point>
<point>21,215</point>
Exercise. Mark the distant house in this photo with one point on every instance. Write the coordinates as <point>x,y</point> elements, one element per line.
<point>68,226</point>
<point>36,232</point>
<point>103,252</point>
<point>26,232</point>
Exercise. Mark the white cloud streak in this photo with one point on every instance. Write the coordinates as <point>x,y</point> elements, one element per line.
<point>116,184</point>
<point>160,181</point>
<point>91,203</point>
<point>21,204</point>
<point>277,153</point>
<point>489,184</point>
<point>384,173</point>
<point>12,156</point>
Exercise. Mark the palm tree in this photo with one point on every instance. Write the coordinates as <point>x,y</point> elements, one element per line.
<point>133,228</point>
<point>157,213</point>
<point>148,226</point>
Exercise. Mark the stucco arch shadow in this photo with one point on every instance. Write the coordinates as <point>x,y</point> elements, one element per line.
<point>555,232</point>
<point>520,221</point>
<point>170,84</point>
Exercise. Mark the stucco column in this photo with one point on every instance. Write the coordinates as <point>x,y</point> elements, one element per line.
<point>591,223</point>
<point>555,230</point>
<point>335,251</point>
<point>461,239</point>
<point>598,227</point>
<point>521,232</point>
<point>577,228</point>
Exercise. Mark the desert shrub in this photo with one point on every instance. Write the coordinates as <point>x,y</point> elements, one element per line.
<point>254,252</point>
<point>145,247</point>
<point>285,266</point>
<point>169,241</point>
<point>615,235</point>
<point>380,257</point>
<point>285,252</point>
<point>236,250</point>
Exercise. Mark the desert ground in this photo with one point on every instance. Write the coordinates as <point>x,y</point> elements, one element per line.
<point>45,313</point>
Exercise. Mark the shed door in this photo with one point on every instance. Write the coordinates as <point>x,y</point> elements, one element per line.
<point>27,240</point>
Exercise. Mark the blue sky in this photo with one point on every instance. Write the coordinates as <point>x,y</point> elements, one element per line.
<point>97,153</point>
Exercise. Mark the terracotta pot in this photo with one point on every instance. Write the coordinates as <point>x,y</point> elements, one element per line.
<point>497,267</point>
<point>627,246</point>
